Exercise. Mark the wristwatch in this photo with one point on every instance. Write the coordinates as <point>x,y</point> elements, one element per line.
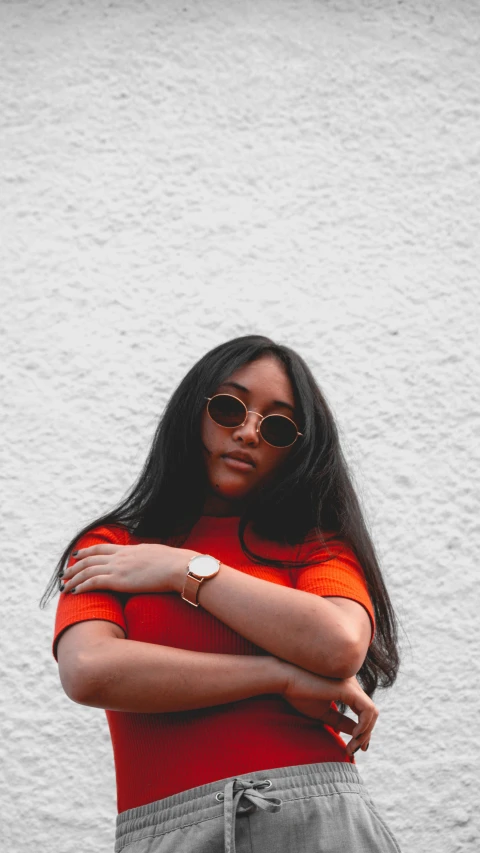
<point>200,568</point>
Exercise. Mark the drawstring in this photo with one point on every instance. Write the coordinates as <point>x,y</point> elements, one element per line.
<point>236,790</point>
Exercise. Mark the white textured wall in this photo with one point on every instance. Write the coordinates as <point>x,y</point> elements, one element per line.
<point>174,174</point>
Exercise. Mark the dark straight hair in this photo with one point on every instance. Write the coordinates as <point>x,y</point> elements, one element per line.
<point>313,496</point>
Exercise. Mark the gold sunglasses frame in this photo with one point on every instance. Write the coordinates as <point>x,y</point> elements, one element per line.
<point>259,423</point>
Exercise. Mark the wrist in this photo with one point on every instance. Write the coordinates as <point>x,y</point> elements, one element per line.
<point>179,572</point>
<point>280,672</point>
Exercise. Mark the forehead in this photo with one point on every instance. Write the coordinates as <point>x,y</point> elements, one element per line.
<point>266,377</point>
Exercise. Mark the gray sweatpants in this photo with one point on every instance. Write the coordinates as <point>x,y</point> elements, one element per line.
<point>311,808</point>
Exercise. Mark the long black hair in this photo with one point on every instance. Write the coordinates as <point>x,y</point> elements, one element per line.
<point>314,494</point>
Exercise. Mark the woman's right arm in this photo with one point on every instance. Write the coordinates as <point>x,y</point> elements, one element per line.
<point>100,668</point>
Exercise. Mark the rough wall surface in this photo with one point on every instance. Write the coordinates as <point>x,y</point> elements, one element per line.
<point>175,174</point>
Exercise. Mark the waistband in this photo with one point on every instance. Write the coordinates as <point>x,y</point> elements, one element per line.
<point>236,795</point>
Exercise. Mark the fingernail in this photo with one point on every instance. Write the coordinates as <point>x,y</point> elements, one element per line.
<point>73,590</point>
<point>367,747</point>
<point>74,553</point>
<point>61,587</point>
<point>61,573</point>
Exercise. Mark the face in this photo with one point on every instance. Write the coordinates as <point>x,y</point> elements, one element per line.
<point>265,388</point>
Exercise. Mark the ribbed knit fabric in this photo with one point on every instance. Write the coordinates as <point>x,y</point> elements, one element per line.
<point>157,755</point>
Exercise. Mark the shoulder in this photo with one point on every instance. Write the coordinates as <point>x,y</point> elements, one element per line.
<point>115,534</point>
<point>325,547</point>
<point>330,554</point>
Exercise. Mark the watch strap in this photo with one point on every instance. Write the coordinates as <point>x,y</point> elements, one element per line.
<point>194,580</point>
<point>190,590</point>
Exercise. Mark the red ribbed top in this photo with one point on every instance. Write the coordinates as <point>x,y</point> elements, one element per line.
<point>153,753</point>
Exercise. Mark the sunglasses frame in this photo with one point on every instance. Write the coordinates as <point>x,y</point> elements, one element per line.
<point>259,423</point>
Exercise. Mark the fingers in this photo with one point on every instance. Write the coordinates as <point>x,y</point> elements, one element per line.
<point>367,717</point>
<point>96,556</point>
<point>95,549</point>
<point>77,579</point>
<point>366,711</point>
<point>78,567</point>
<point>92,584</point>
<point>360,730</point>
<point>362,742</point>
<point>339,722</point>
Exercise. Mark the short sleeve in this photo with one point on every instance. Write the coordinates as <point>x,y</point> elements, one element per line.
<point>337,573</point>
<point>91,605</point>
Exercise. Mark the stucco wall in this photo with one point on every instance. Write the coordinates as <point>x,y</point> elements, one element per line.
<point>174,174</point>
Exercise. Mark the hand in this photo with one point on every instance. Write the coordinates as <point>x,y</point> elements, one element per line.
<point>313,696</point>
<point>126,568</point>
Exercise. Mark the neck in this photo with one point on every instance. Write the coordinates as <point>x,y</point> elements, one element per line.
<point>218,506</point>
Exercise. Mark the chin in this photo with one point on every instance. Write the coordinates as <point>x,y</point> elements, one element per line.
<point>230,490</point>
<point>231,494</point>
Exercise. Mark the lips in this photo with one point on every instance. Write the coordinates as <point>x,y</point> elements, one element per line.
<point>240,456</point>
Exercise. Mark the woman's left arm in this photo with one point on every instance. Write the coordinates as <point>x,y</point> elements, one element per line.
<point>327,636</point>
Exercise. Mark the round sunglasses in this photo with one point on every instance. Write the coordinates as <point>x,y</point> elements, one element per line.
<point>231,412</point>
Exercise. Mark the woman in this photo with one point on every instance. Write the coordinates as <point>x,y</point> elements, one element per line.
<point>219,612</point>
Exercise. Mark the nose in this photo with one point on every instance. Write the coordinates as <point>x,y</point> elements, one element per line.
<point>248,431</point>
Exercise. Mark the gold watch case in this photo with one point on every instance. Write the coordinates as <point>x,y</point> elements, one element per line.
<point>200,568</point>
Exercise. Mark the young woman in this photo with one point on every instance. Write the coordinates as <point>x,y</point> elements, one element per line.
<point>219,612</point>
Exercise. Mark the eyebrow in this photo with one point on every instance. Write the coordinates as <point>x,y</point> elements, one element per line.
<point>236,385</point>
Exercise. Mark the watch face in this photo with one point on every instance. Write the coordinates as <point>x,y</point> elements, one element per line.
<point>203,566</point>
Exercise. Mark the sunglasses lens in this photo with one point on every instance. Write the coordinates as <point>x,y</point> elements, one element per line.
<point>226,411</point>
<point>278,430</point>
